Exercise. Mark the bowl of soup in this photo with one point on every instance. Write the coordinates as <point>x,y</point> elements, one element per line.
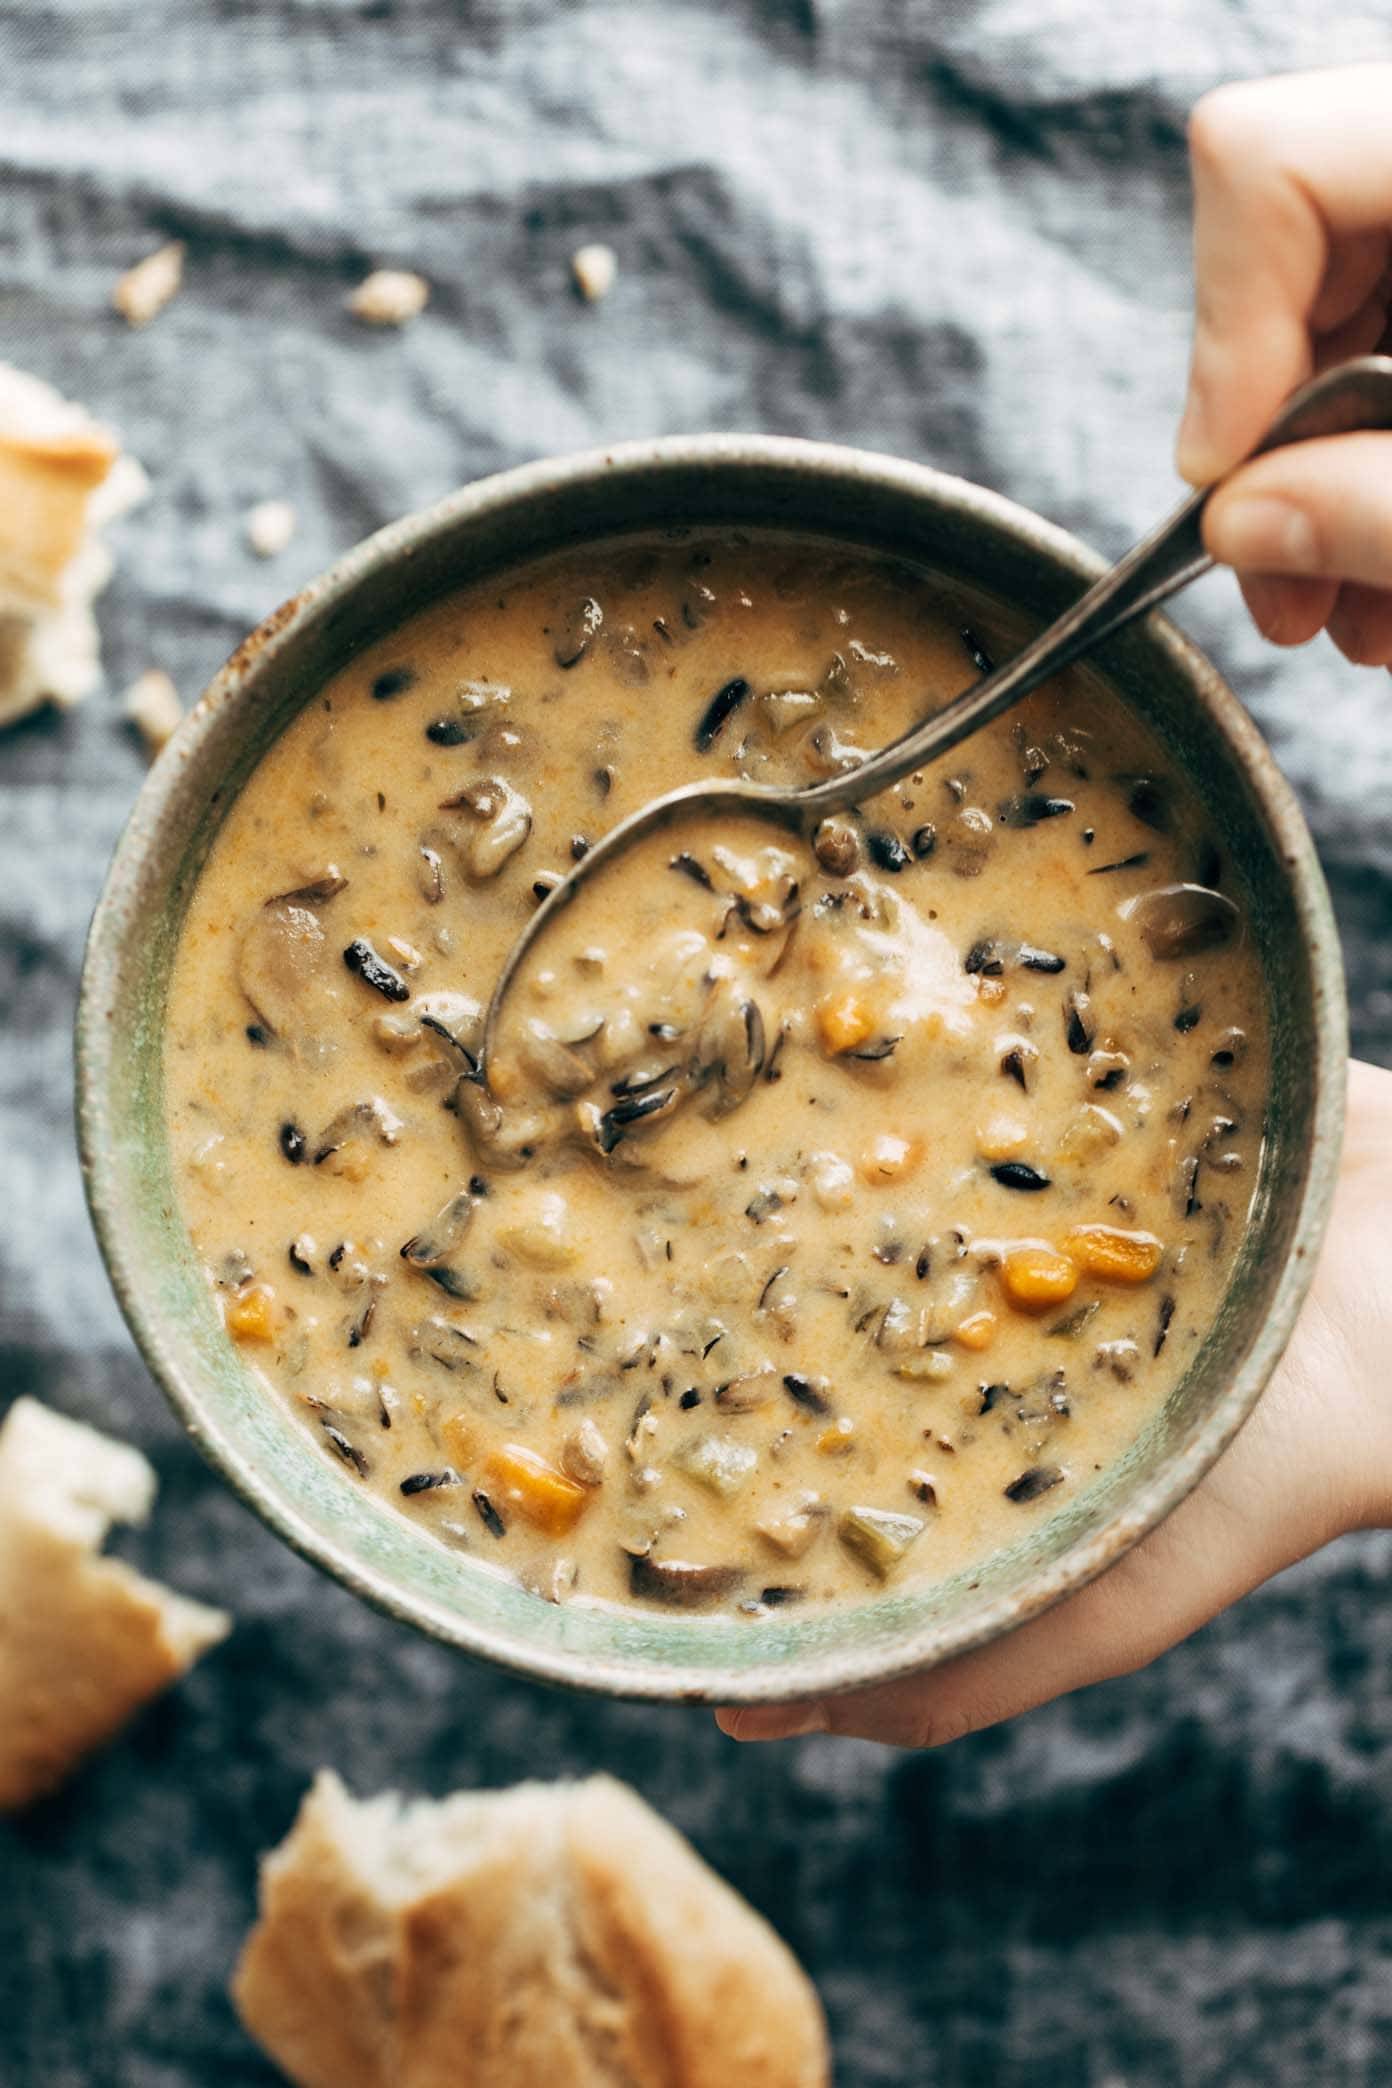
<point>857,1239</point>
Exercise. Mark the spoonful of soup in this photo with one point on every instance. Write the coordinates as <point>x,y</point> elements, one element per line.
<point>757,879</point>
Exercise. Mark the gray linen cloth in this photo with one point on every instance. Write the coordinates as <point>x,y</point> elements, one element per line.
<point>955,231</point>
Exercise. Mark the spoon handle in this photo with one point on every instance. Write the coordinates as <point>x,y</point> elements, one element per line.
<point>1355,395</point>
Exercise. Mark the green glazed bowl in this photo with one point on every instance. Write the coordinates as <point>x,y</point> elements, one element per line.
<point>989,551</point>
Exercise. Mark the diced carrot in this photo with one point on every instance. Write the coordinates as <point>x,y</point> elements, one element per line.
<point>888,1157</point>
<point>1113,1255</point>
<point>843,1021</point>
<point>1034,1278</point>
<point>460,1438</point>
<point>517,1478</point>
<point>252,1315</point>
<point>976,1331</point>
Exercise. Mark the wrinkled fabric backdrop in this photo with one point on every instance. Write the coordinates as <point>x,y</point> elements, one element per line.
<point>958,232</point>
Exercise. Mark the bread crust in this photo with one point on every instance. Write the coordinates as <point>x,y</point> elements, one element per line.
<point>555,1936</point>
<point>62,476</point>
<point>84,1641</point>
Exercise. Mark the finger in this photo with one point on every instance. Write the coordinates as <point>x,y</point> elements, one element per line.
<point>1322,509</point>
<point>1193,1565</point>
<point>1361,625</point>
<point>1105,1630</point>
<point>772,1721</point>
<point>1284,1487</point>
<point>1353,274</point>
<point>1283,170</point>
<point>1303,1469</point>
<point>1362,334</point>
<point>1288,611</point>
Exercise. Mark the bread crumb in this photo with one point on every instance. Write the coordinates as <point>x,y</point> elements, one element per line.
<point>143,291</point>
<point>594,269</point>
<point>389,297</point>
<point>269,527</point>
<point>153,707</point>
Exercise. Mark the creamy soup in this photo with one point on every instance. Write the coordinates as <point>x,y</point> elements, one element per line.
<point>833,1206</point>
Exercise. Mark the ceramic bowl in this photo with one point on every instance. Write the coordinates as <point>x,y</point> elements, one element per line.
<point>989,550</point>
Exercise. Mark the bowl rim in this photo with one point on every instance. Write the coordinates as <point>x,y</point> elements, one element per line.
<point>843,1666</point>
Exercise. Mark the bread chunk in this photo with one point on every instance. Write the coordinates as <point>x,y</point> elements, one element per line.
<point>62,476</point>
<point>84,1641</point>
<point>548,1936</point>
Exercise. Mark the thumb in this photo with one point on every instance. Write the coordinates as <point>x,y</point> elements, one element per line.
<point>1321,509</point>
<point>1117,1623</point>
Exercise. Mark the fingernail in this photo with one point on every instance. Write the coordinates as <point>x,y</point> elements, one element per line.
<point>812,1720</point>
<point>774,1721</point>
<point>1263,535</point>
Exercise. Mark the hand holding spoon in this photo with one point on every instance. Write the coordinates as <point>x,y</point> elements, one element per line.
<point>1351,397</point>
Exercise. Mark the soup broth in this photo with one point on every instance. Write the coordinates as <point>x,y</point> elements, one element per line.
<point>832,1205</point>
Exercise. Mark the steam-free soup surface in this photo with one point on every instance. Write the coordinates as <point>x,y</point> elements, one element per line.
<point>833,1209</point>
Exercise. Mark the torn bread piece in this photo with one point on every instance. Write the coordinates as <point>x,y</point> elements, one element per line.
<point>62,477</point>
<point>84,1641</point>
<point>548,1936</point>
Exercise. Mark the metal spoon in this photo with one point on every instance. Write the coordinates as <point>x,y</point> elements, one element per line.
<point>1352,396</point>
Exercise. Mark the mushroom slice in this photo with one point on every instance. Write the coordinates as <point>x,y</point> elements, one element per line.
<point>317,890</point>
<point>497,821</point>
<point>436,1242</point>
<point>731,1047</point>
<point>1182,920</point>
<point>360,1120</point>
<point>556,1067</point>
<point>499,1137</point>
<point>681,1583</point>
<point>575,632</point>
<point>585,1453</point>
<point>283,964</point>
